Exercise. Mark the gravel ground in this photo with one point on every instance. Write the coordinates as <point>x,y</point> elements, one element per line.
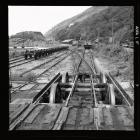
<point>64,66</point>
<point>27,91</point>
<point>16,71</point>
<point>30,65</point>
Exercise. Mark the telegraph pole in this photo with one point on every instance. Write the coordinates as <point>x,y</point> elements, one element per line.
<point>10,85</point>
<point>112,33</point>
<point>98,34</point>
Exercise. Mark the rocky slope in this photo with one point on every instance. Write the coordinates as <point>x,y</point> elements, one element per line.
<point>28,39</point>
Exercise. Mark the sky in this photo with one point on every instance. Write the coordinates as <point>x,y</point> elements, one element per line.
<point>39,18</point>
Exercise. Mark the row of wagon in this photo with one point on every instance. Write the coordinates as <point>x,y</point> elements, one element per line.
<point>38,53</point>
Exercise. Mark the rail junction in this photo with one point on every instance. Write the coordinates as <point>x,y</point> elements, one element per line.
<point>85,98</point>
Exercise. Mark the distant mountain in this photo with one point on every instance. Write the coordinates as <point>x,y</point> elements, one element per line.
<point>74,20</point>
<point>97,21</point>
<point>27,38</point>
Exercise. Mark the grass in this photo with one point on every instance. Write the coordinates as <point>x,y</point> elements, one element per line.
<point>116,55</point>
<point>115,52</point>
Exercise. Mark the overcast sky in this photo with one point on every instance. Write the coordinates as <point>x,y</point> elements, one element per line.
<point>39,18</point>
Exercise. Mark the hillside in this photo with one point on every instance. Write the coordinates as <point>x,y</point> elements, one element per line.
<point>74,20</point>
<point>97,21</point>
<point>27,38</point>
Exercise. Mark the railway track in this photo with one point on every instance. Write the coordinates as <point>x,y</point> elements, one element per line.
<point>88,98</point>
<point>43,72</point>
<point>38,66</point>
<point>26,83</point>
<point>14,59</point>
<point>21,62</point>
<point>79,105</point>
<point>20,119</point>
<point>17,60</point>
<point>85,100</point>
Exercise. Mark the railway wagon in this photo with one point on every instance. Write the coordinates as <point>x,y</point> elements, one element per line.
<point>88,46</point>
<point>38,53</point>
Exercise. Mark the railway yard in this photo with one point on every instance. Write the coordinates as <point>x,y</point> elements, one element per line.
<point>67,90</point>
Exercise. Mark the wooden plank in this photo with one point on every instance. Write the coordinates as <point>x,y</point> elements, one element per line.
<point>72,116</point>
<point>22,117</point>
<point>13,107</point>
<point>122,92</point>
<point>107,116</point>
<point>124,117</point>
<point>96,117</point>
<point>100,121</point>
<point>62,118</point>
<point>57,126</point>
<point>52,114</point>
<point>91,115</point>
<point>117,124</point>
<point>77,84</point>
<point>82,93</point>
<point>14,115</point>
<point>63,115</point>
<point>131,111</point>
<point>34,113</point>
<point>78,89</point>
<point>22,100</point>
<point>83,85</point>
<point>84,119</point>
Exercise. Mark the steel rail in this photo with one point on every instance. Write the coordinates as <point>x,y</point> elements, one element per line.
<point>75,80</point>
<point>41,64</point>
<point>76,68</point>
<point>21,63</point>
<point>26,111</point>
<point>18,60</point>
<point>58,126</point>
<point>22,117</point>
<point>95,99</point>
<point>132,84</point>
<point>71,92</point>
<point>73,87</point>
<point>35,100</point>
<point>13,59</point>
<point>91,69</point>
<point>42,72</point>
<point>27,61</point>
<point>120,89</point>
<point>93,90</point>
<point>42,92</point>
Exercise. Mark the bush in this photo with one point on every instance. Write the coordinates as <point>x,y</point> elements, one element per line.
<point>113,52</point>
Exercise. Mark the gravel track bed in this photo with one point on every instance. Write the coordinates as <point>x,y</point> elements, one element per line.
<point>22,68</point>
